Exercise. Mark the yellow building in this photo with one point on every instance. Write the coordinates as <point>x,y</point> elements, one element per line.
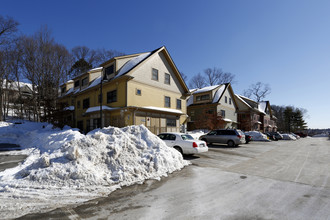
<point>144,88</point>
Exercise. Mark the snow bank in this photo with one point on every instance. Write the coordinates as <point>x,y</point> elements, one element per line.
<point>76,167</point>
<point>196,133</point>
<point>257,136</point>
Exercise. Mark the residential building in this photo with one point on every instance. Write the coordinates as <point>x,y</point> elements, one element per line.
<point>254,116</point>
<point>144,88</point>
<point>218,100</point>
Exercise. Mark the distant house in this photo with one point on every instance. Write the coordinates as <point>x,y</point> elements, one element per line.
<point>254,116</point>
<point>218,99</point>
<point>15,99</point>
<point>144,88</point>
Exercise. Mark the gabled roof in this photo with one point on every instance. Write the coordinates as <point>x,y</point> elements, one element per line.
<point>135,61</point>
<point>138,59</point>
<point>219,91</point>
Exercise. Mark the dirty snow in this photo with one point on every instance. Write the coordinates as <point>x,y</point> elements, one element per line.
<point>65,167</point>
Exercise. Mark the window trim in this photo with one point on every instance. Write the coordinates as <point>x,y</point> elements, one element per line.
<point>114,99</point>
<point>169,101</point>
<point>152,74</point>
<point>178,101</point>
<point>169,79</point>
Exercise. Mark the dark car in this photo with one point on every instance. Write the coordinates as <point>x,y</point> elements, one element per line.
<point>248,138</point>
<point>231,137</point>
<point>271,136</point>
<point>277,135</point>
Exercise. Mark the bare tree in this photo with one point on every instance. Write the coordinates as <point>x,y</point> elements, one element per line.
<point>8,27</point>
<point>211,76</point>
<point>197,82</point>
<point>257,91</point>
<point>85,58</point>
<point>46,64</point>
<point>216,76</point>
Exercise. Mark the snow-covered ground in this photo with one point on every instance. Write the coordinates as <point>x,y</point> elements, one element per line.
<point>65,167</point>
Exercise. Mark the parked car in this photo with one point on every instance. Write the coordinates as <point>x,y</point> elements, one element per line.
<point>231,137</point>
<point>184,143</point>
<point>277,135</point>
<point>271,136</point>
<point>248,138</point>
<point>301,134</point>
<point>289,137</point>
<point>257,136</point>
<point>295,135</point>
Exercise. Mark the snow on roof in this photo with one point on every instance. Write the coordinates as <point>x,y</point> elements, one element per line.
<point>98,108</point>
<point>163,109</point>
<point>262,107</point>
<point>14,84</point>
<point>69,108</point>
<point>242,100</point>
<point>218,93</point>
<point>190,100</point>
<point>205,89</point>
<point>132,63</point>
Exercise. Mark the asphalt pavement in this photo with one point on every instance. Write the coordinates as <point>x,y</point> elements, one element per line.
<point>259,180</point>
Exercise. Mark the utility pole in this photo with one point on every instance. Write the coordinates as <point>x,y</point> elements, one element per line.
<point>101,101</point>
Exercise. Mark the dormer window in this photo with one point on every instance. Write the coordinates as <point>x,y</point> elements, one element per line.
<point>110,70</point>
<point>84,82</point>
<point>63,90</point>
<point>203,97</point>
<point>76,84</point>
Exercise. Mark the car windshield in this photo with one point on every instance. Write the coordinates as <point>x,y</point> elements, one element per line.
<point>186,137</point>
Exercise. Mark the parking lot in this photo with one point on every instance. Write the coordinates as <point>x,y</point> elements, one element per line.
<point>260,180</point>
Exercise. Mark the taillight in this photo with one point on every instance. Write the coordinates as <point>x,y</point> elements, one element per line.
<point>239,136</point>
<point>195,145</point>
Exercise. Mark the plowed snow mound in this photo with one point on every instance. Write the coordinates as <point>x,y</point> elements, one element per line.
<point>87,166</point>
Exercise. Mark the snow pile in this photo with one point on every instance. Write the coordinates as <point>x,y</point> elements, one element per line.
<point>289,137</point>
<point>257,136</point>
<point>81,167</point>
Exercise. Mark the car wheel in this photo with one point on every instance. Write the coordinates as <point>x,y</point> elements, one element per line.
<point>230,143</point>
<point>178,149</point>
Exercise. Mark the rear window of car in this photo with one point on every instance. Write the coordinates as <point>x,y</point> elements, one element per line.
<point>240,132</point>
<point>170,137</point>
<point>228,132</point>
<point>186,137</point>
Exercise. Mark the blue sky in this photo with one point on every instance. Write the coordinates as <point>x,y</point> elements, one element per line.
<point>285,43</point>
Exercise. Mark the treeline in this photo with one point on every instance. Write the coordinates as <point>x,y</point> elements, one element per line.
<point>289,118</point>
<point>43,62</point>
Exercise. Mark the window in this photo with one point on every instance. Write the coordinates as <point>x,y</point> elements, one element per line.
<point>203,97</point>
<point>109,70</point>
<point>229,101</point>
<point>223,113</point>
<point>80,125</point>
<point>112,96</point>
<point>167,79</point>
<point>138,92</point>
<point>78,104</point>
<point>171,122</point>
<point>63,90</point>
<point>178,104</point>
<point>154,74</point>
<point>86,103</point>
<point>84,82</point>
<point>76,83</point>
<point>225,99</point>
<point>167,101</point>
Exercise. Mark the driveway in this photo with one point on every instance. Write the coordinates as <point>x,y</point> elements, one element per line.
<point>260,180</point>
